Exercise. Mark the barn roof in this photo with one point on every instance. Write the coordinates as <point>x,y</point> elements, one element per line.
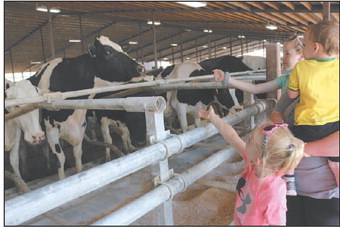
<point>27,34</point>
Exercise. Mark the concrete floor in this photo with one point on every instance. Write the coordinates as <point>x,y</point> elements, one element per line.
<point>93,206</point>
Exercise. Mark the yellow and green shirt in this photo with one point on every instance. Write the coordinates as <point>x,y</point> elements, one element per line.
<point>317,81</point>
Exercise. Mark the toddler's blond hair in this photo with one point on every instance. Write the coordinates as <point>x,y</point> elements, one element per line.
<point>326,33</point>
<point>283,151</point>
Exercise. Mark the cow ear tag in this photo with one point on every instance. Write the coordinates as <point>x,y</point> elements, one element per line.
<point>92,50</point>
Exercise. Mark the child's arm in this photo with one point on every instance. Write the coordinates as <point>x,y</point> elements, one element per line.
<point>325,147</point>
<point>292,94</point>
<point>276,117</point>
<point>228,133</point>
<point>245,86</point>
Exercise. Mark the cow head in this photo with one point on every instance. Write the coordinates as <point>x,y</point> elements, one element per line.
<point>29,122</point>
<point>111,63</point>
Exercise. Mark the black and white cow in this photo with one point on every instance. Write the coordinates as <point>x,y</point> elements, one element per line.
<point>130,126</point>
<point>28,123</point>
<point>105,64</point>
<point>191,101</point>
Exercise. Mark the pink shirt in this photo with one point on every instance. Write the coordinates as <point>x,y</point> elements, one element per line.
<point>260,201</point>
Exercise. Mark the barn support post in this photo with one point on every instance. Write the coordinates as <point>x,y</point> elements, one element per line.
<point>42,45</point>
<point>241,46</point>
<point>326,11</point>
<point>273,66</point>
<point>19,209</point>
<point>231,46</point>
<point>51,33</point>
<point>140,41</point>
<point>81,35</point>
<point>196,48</point>
<point>12,65</point>
<point>182,59</point>
<point>154,40</point>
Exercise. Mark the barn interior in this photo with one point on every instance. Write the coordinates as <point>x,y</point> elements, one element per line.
<point>151,33</point>
<point>185,33</point>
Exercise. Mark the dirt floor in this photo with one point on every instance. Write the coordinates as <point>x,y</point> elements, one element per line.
<point>198,205</point>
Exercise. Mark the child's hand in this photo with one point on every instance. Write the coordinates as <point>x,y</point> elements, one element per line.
<point>218,75</point>
<point>207,114</point>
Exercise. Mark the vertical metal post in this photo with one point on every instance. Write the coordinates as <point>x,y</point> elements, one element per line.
<point>241,46</point>
<point>209,43</point>
<point>264,48</point>
<point>12,66</point>
<point>140,41</point>
<point>326,11</point>
<point>42,45</point>
<point>64,54</point>
<point>173,55</point>
<point>247,50</point>
<point>81,34</point>
<point>215,50</point>
<point>231,46</point>
<point>156,132</point>
<point>196,49</point>
<point>51,33</point>
<point>154,40</point>
<point>182,60</point>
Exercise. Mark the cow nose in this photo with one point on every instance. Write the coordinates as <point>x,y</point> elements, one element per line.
<point>38,138</point>
<point>141,69</point>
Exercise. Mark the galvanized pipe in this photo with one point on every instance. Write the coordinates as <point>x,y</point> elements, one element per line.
<point>72,94</point>
<point>27,206</point>
<point>139,207</point>
<point>130,104</point>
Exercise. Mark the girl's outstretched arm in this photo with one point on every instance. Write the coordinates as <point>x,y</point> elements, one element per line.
<point>246,86</point>
<point>228,133</point>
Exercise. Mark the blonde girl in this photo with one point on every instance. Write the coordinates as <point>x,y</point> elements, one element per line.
<point>270,152</point>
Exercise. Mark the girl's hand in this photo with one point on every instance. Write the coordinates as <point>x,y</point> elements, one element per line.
<point>218,75</point>
<point>207,114</point>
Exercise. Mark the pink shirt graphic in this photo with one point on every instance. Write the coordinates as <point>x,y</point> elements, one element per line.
<point>260,201</point>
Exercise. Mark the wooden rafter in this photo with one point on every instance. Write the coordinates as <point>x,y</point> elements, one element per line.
<point>308,18</point>
<point>289,5</point>
<point>274,5</point>
<point>308,5</point>
<point>297,18</point>
<point>241,5</point>
<point>257,5</point>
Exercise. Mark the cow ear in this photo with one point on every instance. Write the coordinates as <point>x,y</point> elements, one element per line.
<point>241,58</point>
<point>92,50</point>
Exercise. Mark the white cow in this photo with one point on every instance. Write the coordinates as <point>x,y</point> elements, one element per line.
<point>254,62</point>
<point>28,123</point>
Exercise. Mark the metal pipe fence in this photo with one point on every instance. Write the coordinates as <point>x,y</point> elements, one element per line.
<point>34,203</point>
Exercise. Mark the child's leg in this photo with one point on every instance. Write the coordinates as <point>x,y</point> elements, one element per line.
<point>290,182</point>
<point>333,163</point>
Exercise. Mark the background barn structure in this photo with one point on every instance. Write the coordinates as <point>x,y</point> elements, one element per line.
<point>33,37</point>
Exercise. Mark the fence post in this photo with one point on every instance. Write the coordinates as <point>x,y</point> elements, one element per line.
<point>160,171</point>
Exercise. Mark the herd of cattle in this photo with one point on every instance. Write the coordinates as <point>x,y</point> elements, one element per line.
<point>107,64</point>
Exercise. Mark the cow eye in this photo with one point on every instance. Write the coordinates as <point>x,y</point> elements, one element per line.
<point>108,53</point>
